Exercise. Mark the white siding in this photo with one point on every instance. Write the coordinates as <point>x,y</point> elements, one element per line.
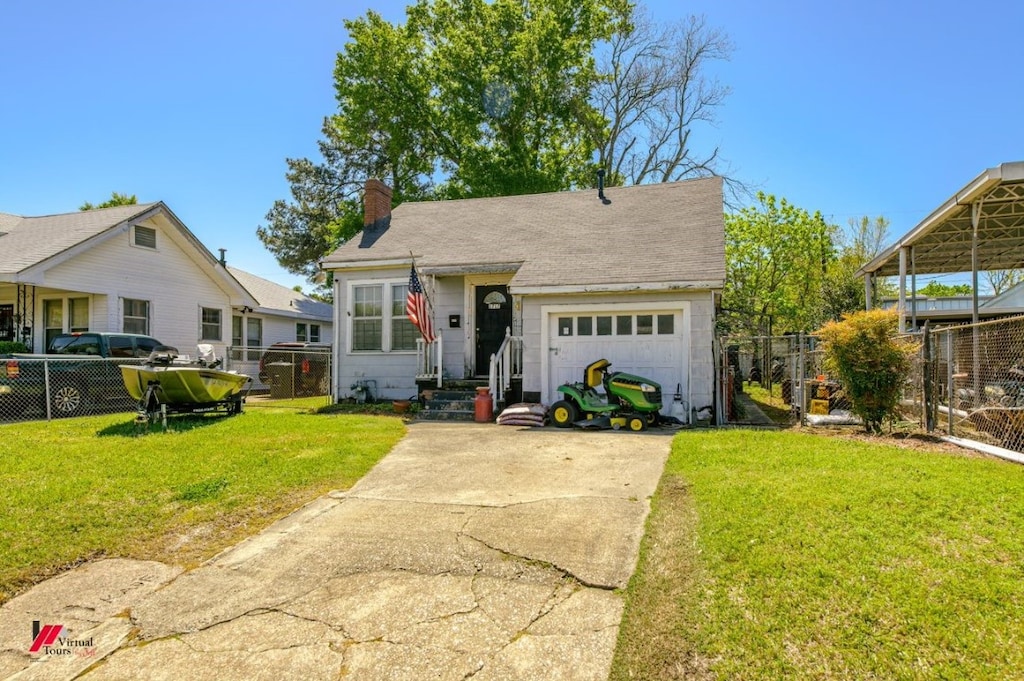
<point>174,284</point>
<point>390,375</point>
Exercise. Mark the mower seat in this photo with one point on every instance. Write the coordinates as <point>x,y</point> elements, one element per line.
<point>594,373</point>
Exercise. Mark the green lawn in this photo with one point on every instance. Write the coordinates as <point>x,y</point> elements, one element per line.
<point>80,488</point>
<point>775,555</point>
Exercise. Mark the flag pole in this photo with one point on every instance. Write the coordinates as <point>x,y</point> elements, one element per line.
<point>430,305</point>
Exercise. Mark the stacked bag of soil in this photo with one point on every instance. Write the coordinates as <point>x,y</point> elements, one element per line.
<point>523,414</point>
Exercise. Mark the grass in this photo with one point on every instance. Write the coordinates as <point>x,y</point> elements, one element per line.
<point>770,403</point>
<point>81,488</point>
<point>788,555</point>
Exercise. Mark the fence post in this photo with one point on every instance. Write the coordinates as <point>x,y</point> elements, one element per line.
<point>951,398</point>
<point>802,376</point>
<point>46,389</point>
<point>927,399</point>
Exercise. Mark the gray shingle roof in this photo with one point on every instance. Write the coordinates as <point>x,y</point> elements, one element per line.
<point>670,234</point>
<point>277,297</point>
<point>31,240</point>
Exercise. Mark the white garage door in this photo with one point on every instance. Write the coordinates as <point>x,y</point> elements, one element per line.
<point>646,343</point>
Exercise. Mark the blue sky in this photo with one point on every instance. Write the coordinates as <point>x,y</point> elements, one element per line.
<point>850,108</point>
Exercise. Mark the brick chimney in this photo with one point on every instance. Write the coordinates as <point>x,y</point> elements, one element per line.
<point>376,202</point>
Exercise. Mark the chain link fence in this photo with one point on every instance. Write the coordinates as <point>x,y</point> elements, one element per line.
<point>973,382</point>
<point>284,372</point>
<point>37,388</point>
<point>50,388</point>
<point>966,381</point>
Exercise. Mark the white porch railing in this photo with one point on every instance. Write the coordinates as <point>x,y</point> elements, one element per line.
<point>429,360</point>
<point>506,364</point>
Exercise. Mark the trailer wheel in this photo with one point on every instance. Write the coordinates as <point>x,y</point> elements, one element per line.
<point>564,414</point>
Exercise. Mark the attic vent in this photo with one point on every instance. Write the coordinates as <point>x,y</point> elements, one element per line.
<point>145,237</point>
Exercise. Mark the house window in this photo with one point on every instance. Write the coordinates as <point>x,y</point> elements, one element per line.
<point>307,332</point>
<point>254,336</point>
<point>237,340</point>
<point>367,317</point>
<point>376,327</point>
<point>403,333</point>
<point>210,324</point>
<point>136,316</point>
<point>145,236</point>
<point>53,319</point>
<point>78,312</point>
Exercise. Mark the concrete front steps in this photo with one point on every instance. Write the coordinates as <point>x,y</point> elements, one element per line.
<point>454,401</point>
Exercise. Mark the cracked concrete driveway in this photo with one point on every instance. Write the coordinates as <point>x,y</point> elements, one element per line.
<point>468,551</point>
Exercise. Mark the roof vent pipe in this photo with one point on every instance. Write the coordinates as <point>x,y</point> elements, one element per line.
<point>223,260</point>
<point>600,187</point>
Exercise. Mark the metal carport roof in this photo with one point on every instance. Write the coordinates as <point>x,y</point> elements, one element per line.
<point>942,242</point>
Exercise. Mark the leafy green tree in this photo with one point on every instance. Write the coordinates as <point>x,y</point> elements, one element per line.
<point>936,289</point>
<point>842,291</point>
<point>776,257</point>
<point>871,361</point>
<point>114,200</point>
<point>470,98</point>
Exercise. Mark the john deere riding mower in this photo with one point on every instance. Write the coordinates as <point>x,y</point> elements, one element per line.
<point>628,401</point>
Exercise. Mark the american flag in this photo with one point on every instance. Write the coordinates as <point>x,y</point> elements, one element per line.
<point>416,307</point>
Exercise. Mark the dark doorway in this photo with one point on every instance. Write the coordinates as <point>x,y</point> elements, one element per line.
<point>493,316</point>
<point>6,322</point>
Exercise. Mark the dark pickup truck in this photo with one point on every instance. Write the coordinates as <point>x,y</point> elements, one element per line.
<point>79,372</point>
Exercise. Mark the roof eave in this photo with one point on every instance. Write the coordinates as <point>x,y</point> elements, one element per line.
<point>631,287</point>
<point>970,192</point>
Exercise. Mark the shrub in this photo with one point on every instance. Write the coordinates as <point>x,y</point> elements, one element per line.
<point>871,361</point>
<point>7,347</point>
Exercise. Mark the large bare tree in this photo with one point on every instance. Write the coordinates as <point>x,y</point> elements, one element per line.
<point>656,91</point>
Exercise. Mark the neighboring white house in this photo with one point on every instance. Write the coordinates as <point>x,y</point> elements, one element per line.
<point>284,315</point>
<point>133,269</point>
<point>630,274</point>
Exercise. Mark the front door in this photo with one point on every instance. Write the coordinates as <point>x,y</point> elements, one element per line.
<point>493,316</point>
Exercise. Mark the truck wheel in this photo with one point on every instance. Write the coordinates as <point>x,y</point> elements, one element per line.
<point>564,414</point>
<point>68,400</point>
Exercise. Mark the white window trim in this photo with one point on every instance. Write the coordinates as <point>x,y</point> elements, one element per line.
<point>386,316</point>
<point>220,331</point>
<point>149,314</point>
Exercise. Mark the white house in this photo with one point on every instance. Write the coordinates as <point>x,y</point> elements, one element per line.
<point>134,269</point>
<point>630,274</point>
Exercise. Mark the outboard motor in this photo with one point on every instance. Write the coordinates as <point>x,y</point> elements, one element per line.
<point>207,355</point>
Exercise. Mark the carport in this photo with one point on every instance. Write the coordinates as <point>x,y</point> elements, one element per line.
<point>980,228</point>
